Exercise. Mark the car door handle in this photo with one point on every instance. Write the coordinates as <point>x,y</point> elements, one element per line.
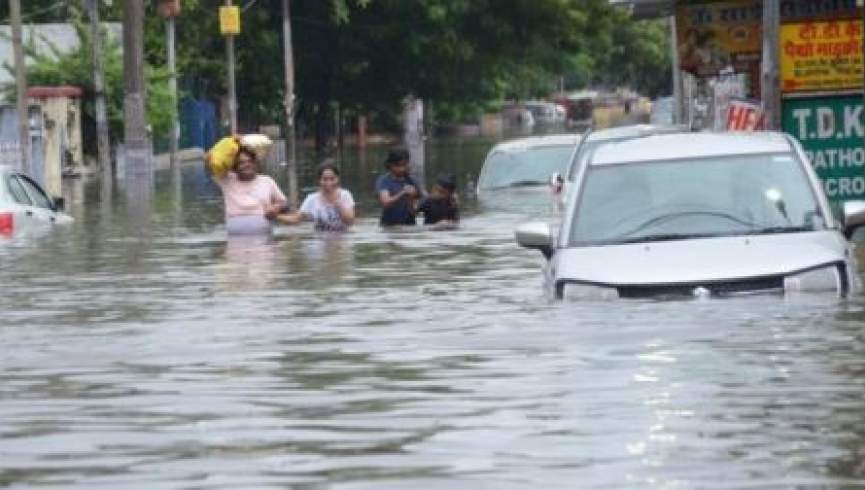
<point>29,213</point>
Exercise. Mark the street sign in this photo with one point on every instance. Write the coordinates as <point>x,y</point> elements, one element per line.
<point>229,20</point>
<point>821,56</point>
<point>744,115</point>
<point>831,131</point>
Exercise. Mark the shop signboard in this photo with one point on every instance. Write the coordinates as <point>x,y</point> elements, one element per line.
<point>831,131</point>
<point>744,115</point>
<point>715,36</point>
<point>821,56</point>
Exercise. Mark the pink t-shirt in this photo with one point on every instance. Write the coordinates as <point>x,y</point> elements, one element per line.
<point>249,198</point>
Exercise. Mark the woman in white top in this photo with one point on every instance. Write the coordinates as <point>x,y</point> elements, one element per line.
<point>331,208</point>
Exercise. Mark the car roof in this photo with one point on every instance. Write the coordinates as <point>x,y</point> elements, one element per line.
<point>691,145</point>
<point>632,131</point>
<point>523,144</point>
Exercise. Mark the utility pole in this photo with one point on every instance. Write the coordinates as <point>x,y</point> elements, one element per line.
<point>138,169</point>
<point>102,139</point>
<point>678,88</point>
<point>770,90</point>
<point>169,9</point>
<point>20,85</point>
<point>232,89</point>
<point>290,143</point>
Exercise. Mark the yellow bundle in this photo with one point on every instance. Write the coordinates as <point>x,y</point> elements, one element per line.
<point>221,156</point>
<point>260,145</point>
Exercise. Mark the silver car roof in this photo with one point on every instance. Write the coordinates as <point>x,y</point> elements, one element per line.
<point>523,144</point>
<point>690,145</point>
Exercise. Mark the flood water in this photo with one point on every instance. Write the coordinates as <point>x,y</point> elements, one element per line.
<point>145,350</point>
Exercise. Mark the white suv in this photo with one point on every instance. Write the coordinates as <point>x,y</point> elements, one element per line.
<point>697,214</point>
<point>24,205</point>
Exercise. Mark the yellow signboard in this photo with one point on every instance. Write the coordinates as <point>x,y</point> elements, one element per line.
<point>821,56</point>
<point>229,21</point>
<point>715,36</point>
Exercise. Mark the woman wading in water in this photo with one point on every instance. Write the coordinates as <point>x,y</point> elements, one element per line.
<point>252,200</point>
<point>330,209</point>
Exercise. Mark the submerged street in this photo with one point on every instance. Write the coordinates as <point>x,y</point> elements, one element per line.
<point>145,350</point>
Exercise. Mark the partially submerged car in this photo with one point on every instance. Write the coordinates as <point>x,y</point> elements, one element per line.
<point>24,206</point>
<point>697,214</point>
<point>518,171</point>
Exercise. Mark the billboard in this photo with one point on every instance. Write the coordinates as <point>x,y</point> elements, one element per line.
<point>714,36</point>
<point>831,131</point>
<point>821,56</point>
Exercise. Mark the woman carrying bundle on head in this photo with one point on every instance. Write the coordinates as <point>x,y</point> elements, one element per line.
<point>252,200</point>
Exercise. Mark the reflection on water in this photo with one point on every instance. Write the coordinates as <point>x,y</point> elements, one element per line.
<point>163,355</point>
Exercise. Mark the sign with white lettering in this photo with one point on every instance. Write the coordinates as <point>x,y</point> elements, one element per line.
<point>743,115</point>
<point>831,131</point>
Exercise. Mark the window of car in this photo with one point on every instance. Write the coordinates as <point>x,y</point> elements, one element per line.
<point>532,166</point>
<point>718,196</point>
<point>17,191</point>
<point>37,195</point>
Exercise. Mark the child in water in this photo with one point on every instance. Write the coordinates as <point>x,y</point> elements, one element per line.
<point>440,207</point>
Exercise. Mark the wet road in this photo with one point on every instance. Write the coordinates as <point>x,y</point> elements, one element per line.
<point>152,353</point>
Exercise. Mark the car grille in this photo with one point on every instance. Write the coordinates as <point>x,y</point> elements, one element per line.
<point>721,288</point>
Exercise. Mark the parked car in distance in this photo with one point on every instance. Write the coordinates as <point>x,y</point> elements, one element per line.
<point>25,206</point>
<point>519,170</point>
<point>546,112</point>
<point>697,214</point>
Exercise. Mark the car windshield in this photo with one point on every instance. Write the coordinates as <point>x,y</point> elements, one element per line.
<point>667,200</point>
<point>532,166</point>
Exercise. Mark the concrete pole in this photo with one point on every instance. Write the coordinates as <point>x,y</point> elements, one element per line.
<point>770,90</point>
<point>290,136</point>
<point>678,86</point>
<point>170,37</point>
<point>413,137</point>
<point>232,84</point>
<point>20,85</point>
<point>102,138</point>
<point>138,165</point>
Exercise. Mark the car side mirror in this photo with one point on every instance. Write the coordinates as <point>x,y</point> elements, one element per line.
<point>536,235</point>
<point>59,204</point>
<point>854,216</point>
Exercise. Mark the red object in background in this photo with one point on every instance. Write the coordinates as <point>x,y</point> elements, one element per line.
<point>168,8</point>
<point>40,92</point>
<point>7,223</point>
<point>745,116</point>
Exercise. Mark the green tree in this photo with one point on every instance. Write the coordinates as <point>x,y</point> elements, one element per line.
<point>74,67</point>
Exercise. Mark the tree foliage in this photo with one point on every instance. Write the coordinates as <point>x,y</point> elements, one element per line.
<point>366,55</point>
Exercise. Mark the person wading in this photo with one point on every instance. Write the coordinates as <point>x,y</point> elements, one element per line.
<point>251,200</point>
<point>330,209</point>
<point>397,191</point>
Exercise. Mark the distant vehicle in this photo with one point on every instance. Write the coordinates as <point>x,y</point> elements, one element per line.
<point>25,206</point>
<point>662,111</point>
<point>523,166</point>
<point>697,214</point>
<point>545,112</point>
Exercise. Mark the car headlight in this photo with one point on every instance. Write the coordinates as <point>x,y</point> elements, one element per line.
<point>586,292</point>
<point>826,279</point>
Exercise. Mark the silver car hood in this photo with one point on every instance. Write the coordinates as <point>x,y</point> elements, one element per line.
<point>696,260</point>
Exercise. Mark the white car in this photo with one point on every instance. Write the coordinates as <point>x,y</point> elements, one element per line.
<point>25,206</point>
<point>697,214</point>
<point>516,173</point>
